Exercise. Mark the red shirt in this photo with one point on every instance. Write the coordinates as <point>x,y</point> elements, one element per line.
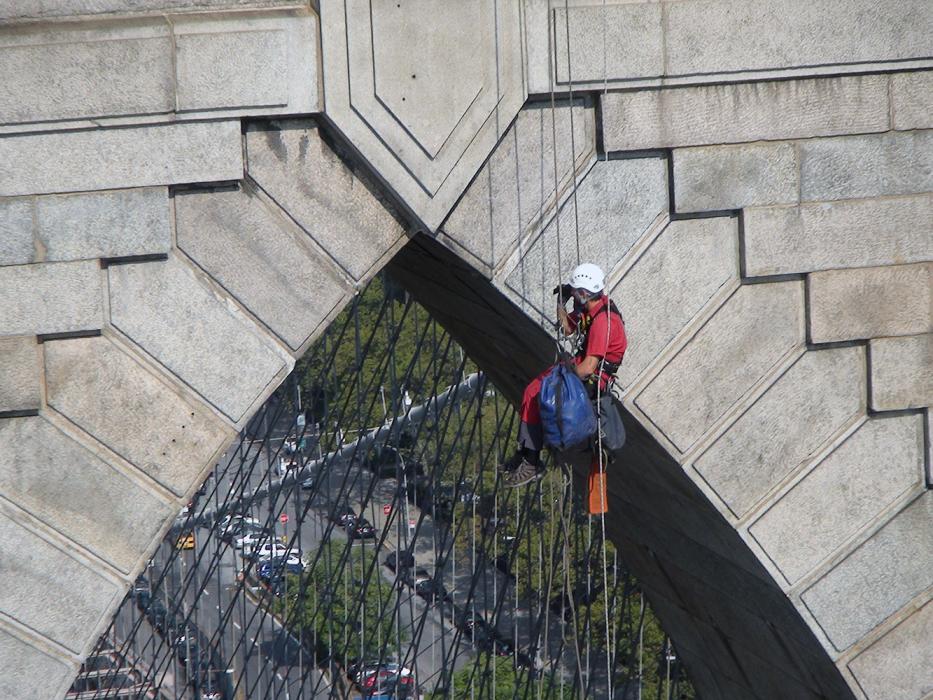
<point>606,336</point>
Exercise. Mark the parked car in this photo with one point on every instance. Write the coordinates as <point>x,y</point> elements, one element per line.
<point>290,564</point>
<point>399,560</point>
<point>272,550</point>
<point>386,679</point>
<point>141,592</point>
<point>360,528</point>
<point>251,539</point>
<point>431,590</point>
<point>307,484</point>
<point>341,515</point>
<point>158,616</point>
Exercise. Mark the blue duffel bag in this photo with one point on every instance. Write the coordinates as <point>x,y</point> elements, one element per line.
<point>567,416</point>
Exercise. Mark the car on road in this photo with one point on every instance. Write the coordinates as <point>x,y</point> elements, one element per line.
<point>141,592</point>
<point>251,539</point>
<point>360,528</point>
<point>307,484</point>
<point>397,561</point>
<point>290,564</point>
<point>389,679</point>
<point>185,541</point>
<point>431,589</point>
<point>341,515</point>
<point>272,550</point>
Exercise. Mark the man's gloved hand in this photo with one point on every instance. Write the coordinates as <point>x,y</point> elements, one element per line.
<point>564,290</point>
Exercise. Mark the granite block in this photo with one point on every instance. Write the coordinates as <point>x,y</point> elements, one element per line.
<point>112,397</point>
<point>19,373</point>
<point>513,190</point>
<point>747,337</point>
<point>261,258</point>
<point>872,165</point>
<point>901,372</point>
<point>98,159</point>
<point>732,177</point>
<point>105,76</point>
<point>842,494</point>
<point>195,333</point>
<point>670,282</point>
<point>612,207</point>
<point>912,100</point>
<point>845,233</point>
<point>104,224</point>
<point>231,69</point>
<point>721,36</point>
<point>50,298</point>
<point>815,398</point>
<point>31,674</point>
<point>17,245</point>
<point>35,573</point>
<point>899,666</point>
<point>45,9</point>
<point>878,578</point>
<point>71,489</point>
<point>332,202</point>
<point>739,112</point>
<point>871,302</point>
<point>608,42</point>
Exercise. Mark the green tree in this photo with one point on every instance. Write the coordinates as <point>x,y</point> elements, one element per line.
<point>345,609</point>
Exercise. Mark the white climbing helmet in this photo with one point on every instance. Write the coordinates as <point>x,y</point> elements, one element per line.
<point>589,277</point>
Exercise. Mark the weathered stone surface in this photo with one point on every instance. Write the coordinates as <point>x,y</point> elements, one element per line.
<point>871,302</point>
<point>713,114</point>
<point>230,69</point>
<point>19,373</point>
<point>814,399</point>
<point>732,35</point>
<point>50,298</point>
<point>107,76</point>
<point>108,394</point>
<point>912,100</point>
<point>16,232</point>
<point>901,372</point>
<point>35,573</point>
<point>381,63</point>
<point>846,233</point>
<point>899,666</point>
<point>669,284</point>
<point>512,190</point>
<point>329,200</point>
<point>878,578</point>
<point>263,259</point>
<point>35,9</point>
<point>842,494</point>
<point>63,484</point>
<point>197,335</point>
<point>111,158</point>
<point>732,177</point>
<point>29,674</point>
<point>104,224</point>
<point>608,41</point>
<point>866,166</point>
<point>752,331</point>
<point>612,207</point>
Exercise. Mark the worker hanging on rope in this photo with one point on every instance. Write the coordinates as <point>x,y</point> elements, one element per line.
<point>602,344</point>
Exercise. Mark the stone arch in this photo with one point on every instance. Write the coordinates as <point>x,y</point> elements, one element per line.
<point>757,213</point>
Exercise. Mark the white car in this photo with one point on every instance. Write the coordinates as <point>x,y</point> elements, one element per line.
<point>251,540</point>
<point>232,520</point>
<point>272,550</point>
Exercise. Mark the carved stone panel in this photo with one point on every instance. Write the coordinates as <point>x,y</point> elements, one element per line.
<point>423,89</point>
